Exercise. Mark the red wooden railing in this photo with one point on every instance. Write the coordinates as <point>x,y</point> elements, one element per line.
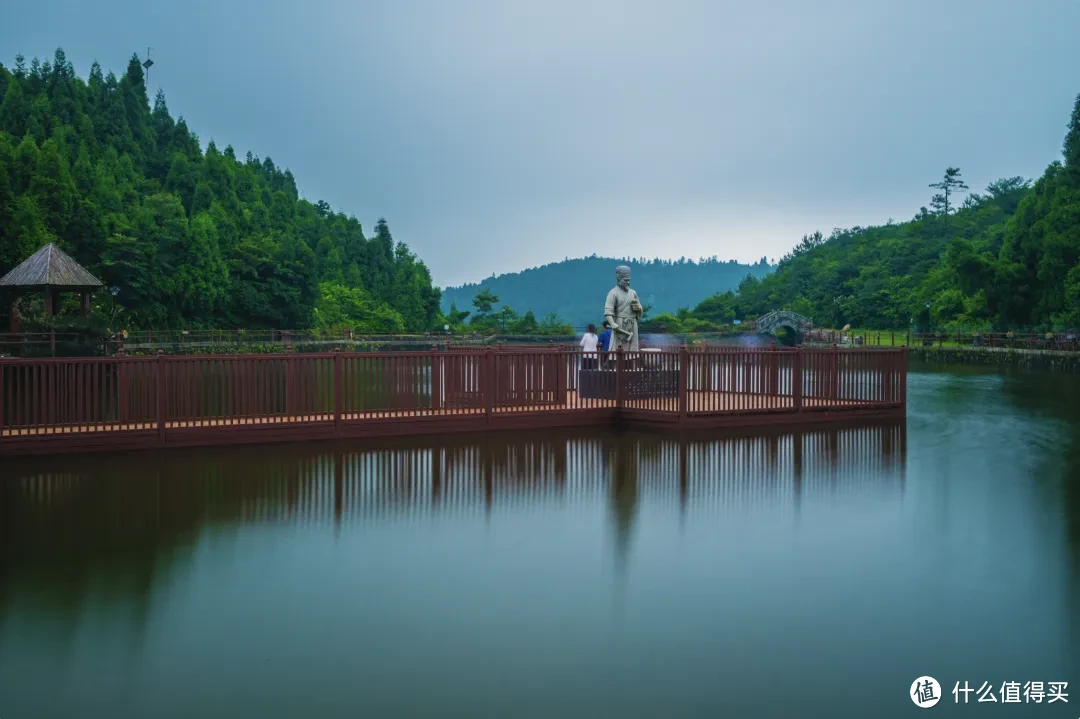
<point>195,396</point>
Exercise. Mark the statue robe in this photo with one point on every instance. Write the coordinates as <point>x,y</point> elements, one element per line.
<point>617,307</point>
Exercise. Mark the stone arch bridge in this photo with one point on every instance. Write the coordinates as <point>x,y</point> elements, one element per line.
<point>772,321</point>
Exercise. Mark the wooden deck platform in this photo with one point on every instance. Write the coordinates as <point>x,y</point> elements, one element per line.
<point>743,411</point>
<point>49,406</point>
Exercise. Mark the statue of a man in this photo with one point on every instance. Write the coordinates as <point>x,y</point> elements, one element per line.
<point>622,311</point>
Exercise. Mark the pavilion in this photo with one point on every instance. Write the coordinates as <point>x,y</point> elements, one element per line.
<point>50,271</point>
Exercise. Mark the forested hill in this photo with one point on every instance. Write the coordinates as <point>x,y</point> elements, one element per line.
<point>190,236</point>
<point>1007,257</point>
<point>575,289</point>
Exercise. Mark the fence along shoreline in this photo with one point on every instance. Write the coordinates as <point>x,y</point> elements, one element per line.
<point>50,405</point>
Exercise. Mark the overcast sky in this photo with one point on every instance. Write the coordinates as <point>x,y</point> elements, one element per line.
<point>496,135</point>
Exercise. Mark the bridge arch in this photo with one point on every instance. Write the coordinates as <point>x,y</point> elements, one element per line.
<point>770,322</point>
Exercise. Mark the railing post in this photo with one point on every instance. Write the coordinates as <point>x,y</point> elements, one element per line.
<point>834,375</point>
<point>290,386</point>
<point>161,397</point>
<point>561,372</point>
<point>337,390</point>
<point>436,378</point>
<point>684,390</point>
<point>797,380</point>
<point>619,361</point>
<point>774,371</point>
<point>121,390</point>
<point>52,342</point>
<point>489,384</point>
<point>903,377</point>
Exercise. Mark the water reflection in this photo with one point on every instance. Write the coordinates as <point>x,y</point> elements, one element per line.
<point>119,523</point>
<point>322,482</point>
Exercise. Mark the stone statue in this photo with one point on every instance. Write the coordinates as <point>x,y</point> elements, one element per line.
<point>622,311</point>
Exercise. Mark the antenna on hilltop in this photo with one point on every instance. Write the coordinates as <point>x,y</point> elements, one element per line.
<point>147,65</point>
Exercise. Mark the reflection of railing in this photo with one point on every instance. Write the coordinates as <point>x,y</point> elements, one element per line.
<point>302,482</point>
<point>121,523</point>
<point>88,403</point>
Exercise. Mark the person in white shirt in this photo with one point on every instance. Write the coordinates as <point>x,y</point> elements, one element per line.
<point>588,345</point>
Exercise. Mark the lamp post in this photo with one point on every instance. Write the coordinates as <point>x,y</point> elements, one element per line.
<point>113,292</point>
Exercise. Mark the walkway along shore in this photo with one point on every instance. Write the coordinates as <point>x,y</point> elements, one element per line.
<point>1037,360</point>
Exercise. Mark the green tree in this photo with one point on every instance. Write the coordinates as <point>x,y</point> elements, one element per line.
<point>202,283</point>
<point>8,254</point>
<point>14,109</point>
<point>27,230</point>
<point>484,301</point>
<point>950,184</point>
<point>455,318</point>
<point>39,124</point>
<point>341,307</point>
<point>53,189</point>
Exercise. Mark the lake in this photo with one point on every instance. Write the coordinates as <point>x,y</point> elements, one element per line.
<point>559,574</point>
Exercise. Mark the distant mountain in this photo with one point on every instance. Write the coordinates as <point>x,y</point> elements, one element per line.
<point>575,289</point>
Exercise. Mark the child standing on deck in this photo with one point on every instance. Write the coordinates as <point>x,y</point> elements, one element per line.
<point>588,345</point>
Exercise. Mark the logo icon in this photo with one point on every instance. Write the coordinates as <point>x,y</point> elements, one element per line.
<point>925,692</point>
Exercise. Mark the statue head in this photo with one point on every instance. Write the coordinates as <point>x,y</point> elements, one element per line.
<point>622,276</point>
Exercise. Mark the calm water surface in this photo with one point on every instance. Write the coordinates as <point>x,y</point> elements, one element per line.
<point>578,574</point>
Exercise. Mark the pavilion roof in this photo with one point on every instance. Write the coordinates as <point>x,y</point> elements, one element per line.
<point>49,267</point>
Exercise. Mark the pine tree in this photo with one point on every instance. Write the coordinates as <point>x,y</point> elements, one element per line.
<point>949,186</point>
<point>7,202</point>
<point>136,103</point>
<point>26,160</point>
<point>203,281</point>
<point>1071,146</point>
<point>53,190</point>
<point>14,109</point>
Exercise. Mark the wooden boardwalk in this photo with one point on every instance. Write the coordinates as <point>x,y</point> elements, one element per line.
<point>49,406</point>
<point>741,403</point>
